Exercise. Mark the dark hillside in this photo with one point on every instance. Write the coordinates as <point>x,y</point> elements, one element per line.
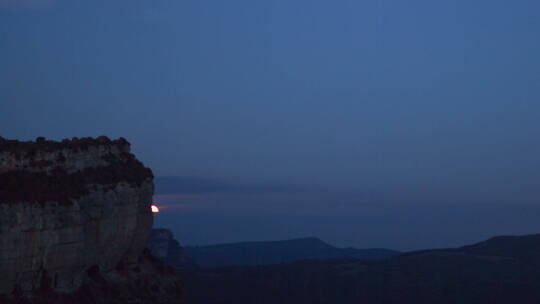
<point>501,270</point>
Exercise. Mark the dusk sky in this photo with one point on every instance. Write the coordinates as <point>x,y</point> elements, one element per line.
<point>389,123</point>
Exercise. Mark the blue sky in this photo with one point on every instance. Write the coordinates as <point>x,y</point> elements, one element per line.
<point>376,110</point>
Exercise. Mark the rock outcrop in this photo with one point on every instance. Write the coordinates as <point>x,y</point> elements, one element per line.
<point>74,217</point>
<point>165,247</point>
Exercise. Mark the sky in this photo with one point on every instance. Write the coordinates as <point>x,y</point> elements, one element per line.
<point>389,123</point>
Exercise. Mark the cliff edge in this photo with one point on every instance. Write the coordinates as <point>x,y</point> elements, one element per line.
<point>74,219</point>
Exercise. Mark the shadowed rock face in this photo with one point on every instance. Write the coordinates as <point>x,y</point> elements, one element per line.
<point>49,171</point>
<point>163,246</point>
<point>71,212</point>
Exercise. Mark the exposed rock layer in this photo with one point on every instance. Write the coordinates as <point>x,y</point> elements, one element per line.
<point>71,212</point>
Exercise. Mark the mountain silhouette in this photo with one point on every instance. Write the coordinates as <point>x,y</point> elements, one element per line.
<point>501,270</point>
<point>275,252</point>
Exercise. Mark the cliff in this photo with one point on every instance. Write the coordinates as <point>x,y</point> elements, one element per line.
<point>75,217</point>
<point>164,246</point>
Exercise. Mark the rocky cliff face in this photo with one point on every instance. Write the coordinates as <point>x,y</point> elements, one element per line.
<point>161,243</point>
<point>164,246</point>
<point>76,214</point>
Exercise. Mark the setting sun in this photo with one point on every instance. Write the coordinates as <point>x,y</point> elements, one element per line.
<point>155,209</point>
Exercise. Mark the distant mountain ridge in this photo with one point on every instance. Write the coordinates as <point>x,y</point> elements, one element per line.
<point>525,248</point>
<point>276,252</point>
<point>500,270</point>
